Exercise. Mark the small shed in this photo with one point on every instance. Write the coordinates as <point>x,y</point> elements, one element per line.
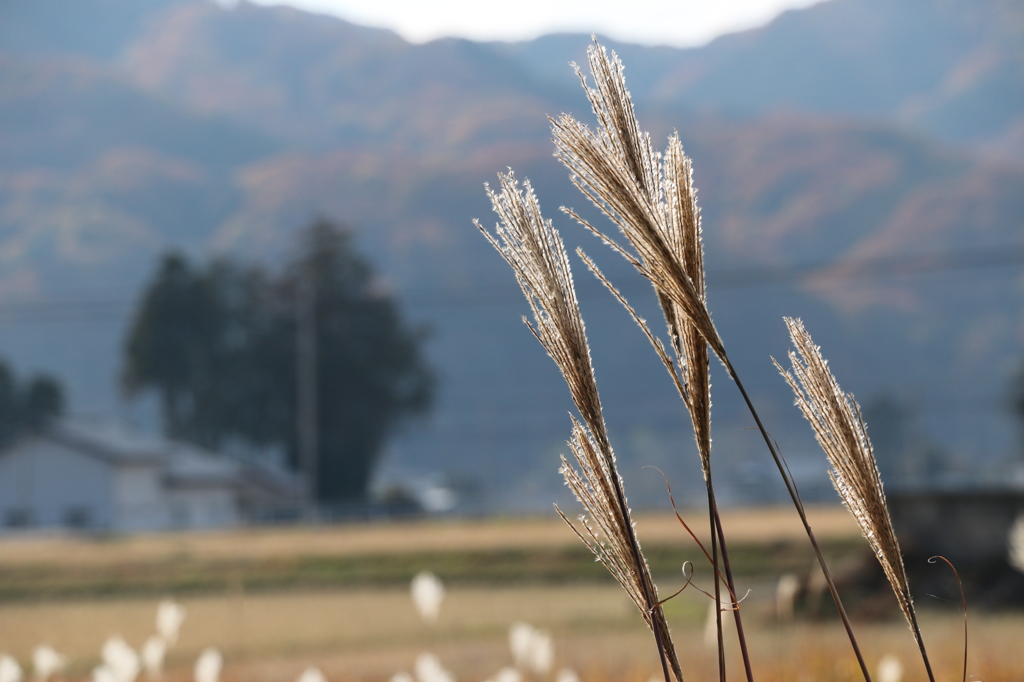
<point>967,526</point>
<point>970,528</point>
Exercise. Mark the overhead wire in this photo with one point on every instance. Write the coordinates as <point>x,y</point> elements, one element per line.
<point>876,268</point>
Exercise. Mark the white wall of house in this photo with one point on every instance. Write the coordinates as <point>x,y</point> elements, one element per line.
<point>44,483</point>
<point>203,507</point>
<point>139,500</point>
<point>105,481</point>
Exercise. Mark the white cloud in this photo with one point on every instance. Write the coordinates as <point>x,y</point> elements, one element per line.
<point>669,22</point>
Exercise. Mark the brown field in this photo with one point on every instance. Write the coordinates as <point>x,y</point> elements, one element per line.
<point>370,632</point>
<point>744,525</point>
<point>492,552</point>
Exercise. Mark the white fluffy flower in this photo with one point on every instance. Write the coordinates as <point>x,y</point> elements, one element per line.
<point>10,671</point>
<point>532,649</point>
<point>169,617</point>
<point>429,669</point>
<point>1015,544</point>
<point>427,595</point>
<point>46,662</point>
<point>890,669</point>
<point>567,675</point>
<point>121,660</point>
<point>208,666</point>
<point>312,674</point>
<point>153,652</point>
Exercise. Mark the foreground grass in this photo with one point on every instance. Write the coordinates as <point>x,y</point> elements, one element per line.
<point>277,600</point>
<point>368,634</point>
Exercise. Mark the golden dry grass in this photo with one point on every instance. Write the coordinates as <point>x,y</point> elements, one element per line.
<point>365,634</point>
<point>295,623</point>
<point>743,525</point>
<point>370,634</point>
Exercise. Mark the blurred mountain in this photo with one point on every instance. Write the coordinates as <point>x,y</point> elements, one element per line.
<point>98,29</point>
<point>953,69</point>
<point>854,132</point>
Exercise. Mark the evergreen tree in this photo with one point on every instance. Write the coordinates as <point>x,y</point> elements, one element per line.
<point>370,370</point>
<point>26,408</point>
<point>221,345</point>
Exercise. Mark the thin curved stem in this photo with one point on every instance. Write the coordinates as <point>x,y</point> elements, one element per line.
<point>795,495</point>
<point>716,577</point>
<point>732,591</point>
<point>963,605</point>
<point>920,645</point>
<point>648,587</point>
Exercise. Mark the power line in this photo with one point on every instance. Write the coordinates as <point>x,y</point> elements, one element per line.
<point>875,268</point>
<point>116,309</point>
<point>548,425</point>
<point>728,278</point>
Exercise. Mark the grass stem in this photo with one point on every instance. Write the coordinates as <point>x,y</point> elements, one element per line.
<point>732,591</point>
<point>715,577</point>
<point>924,654</point>
<point>795,496</point>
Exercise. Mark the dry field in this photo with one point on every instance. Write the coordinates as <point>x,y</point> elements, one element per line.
<point>371,634</point>
<point>367,632</point>
<point>410,537</point>
<point>378,555</point>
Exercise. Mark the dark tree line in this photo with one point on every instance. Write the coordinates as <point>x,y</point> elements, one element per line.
<point>26,407</point>
<point>220,344</point>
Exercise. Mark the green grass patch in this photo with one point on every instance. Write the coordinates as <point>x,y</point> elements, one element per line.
<point>184,575</point>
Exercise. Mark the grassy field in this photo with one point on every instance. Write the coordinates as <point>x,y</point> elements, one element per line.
<point>394,538</point>
<point>361,626</point>
<point>489,552</point>
<point>372,633</point>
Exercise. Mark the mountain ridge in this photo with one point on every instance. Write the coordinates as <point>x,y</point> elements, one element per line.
<point>223,131</point>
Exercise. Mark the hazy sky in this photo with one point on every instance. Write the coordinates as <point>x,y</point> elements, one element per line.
<point>669,22</point>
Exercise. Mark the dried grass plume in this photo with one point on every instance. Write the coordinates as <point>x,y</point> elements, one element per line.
<point>535,251</point>
<point>840,430</point>
<point>616,167</point>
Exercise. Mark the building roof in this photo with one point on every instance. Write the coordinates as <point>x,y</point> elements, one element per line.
<point>110,443</point>
<point>179,464</point>
<point>187,465</point>
<point>118,444</point>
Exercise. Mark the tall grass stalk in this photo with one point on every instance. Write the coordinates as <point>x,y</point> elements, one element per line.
<point>840,430</point>
<point>651,199</point>
<point>616,168</point>
<point>535,251</point>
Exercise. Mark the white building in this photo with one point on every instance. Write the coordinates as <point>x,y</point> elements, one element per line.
<point>110,479</point>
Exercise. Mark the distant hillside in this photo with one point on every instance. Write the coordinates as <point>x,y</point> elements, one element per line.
<point>819,141</point>
<point>952,69</point>
<point>98,29</point>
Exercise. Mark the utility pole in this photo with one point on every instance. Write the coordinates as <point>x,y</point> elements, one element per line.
<point>307,419</point>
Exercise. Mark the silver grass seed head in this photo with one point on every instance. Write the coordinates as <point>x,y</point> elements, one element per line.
<point>839,428</point>
<point>617,169</point>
